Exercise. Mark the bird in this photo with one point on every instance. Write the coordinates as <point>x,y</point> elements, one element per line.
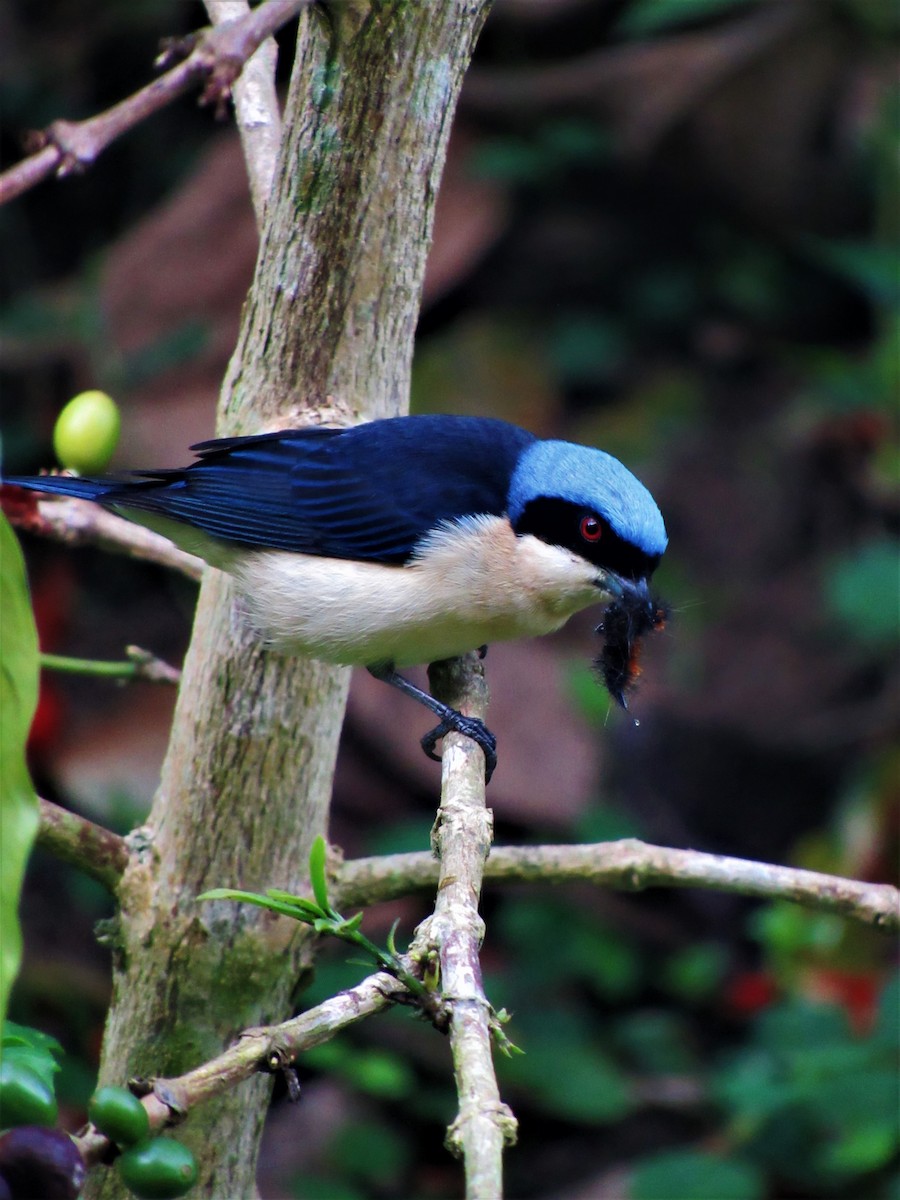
<point>407,540</point>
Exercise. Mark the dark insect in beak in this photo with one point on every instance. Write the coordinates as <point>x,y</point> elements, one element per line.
<point>626,620</point>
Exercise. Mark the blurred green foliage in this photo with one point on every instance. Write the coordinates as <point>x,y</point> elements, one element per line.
<point>18,700</point>
<point>813,1103</point>
<point>860,591</point>
<point>31,1048</point>
<point>644,17</point>
<point>694,1175</point>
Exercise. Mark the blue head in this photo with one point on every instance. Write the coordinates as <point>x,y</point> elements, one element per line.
<point>585,500</point>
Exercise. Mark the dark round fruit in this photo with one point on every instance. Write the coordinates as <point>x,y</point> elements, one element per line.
<point>25,1099</point>
<point>120,1115</point>
<point>35,1161</point>
<point>158,1169</point>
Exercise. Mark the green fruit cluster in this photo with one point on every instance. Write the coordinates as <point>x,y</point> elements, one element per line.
<point>152,1168</point>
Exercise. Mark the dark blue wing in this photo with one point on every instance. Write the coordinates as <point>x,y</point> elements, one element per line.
<point>370,492</point>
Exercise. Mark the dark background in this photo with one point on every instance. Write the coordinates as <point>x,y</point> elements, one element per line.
<point>669,228</point>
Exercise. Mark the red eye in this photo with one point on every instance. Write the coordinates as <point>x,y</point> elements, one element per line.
<point>591,528</point>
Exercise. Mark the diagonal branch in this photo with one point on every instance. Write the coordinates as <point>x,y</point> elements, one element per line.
<point>81,522</point>
<point>462,840</point>
<point>256,107</point>
<point>215,56</point>
<point>268,1048</point>
<point>98,852</point>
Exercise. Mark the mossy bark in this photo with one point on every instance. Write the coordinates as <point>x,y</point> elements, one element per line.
<point>327,335</point>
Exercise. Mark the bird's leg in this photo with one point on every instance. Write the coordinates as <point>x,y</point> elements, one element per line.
<point>450,719</point>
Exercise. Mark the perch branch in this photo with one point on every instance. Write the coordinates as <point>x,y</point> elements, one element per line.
<point>98,852</point>
<point>256,107</point>
<point>631,865</point>
<point>268,1048</point>
<point>215,55</point>
<point>453,933</point>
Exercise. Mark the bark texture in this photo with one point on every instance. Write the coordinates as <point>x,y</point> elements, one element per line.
<point>327,337</point>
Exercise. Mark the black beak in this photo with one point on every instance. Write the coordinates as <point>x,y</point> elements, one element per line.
<point>631,614</point>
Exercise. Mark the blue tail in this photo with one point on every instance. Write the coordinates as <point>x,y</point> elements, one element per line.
<point>84,488</point>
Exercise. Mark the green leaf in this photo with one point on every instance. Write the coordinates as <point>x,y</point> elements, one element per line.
<point>352,923</point>
<point>18,701</point>
<point>371,1150</point>
<point>318,853</point>
<point>873,268</point>
<point>691,1175</point>
<point>35,1059</point>
<point>861,592</point>
<point>24,1035</point>
<point>300,902</point>
<point>391,940</point>
<point>587,347</point>
<point>564,1071</point>
<point>751,1086</point>
<point>886,1027</point>
<point>324,1187</point>
<point>656,1041</point>
<point>863,1149</point>
<point>652,16</point>
<point>693,974</point>
<point>798,1025</point>
<point>377,1072</point>
<point>892,1187</point>
<point>508,160</point>
<point>275,906</point>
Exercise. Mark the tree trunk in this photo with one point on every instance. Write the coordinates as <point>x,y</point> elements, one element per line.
<point>326,337</point>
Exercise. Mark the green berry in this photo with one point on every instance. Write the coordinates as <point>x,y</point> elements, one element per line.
<point>86,432</point>
<point>25,1099</point>
<point>120,1115</point>
<point>158,1169</point>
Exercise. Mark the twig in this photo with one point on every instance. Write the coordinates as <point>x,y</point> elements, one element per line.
<point>79,522</point>
<point>462,838</point>
<point>256,108</point>
<point>216,56</point>
<point>632,865</point>
<point>141,664</point>
<point>268,1048</point>
<point>98,852</point>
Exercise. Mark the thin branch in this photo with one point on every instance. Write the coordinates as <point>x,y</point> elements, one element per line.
<point>216,55</point>
<point>632,865</point>
<point>268,1048</point>
<point>80,522</point>
<point>140,664</point>
<point>629,865</point>
<point>98,852</point>
<point>462,839</point>
<point>256,109</point>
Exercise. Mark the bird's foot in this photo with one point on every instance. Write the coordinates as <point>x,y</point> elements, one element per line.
<point>470,727</point>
